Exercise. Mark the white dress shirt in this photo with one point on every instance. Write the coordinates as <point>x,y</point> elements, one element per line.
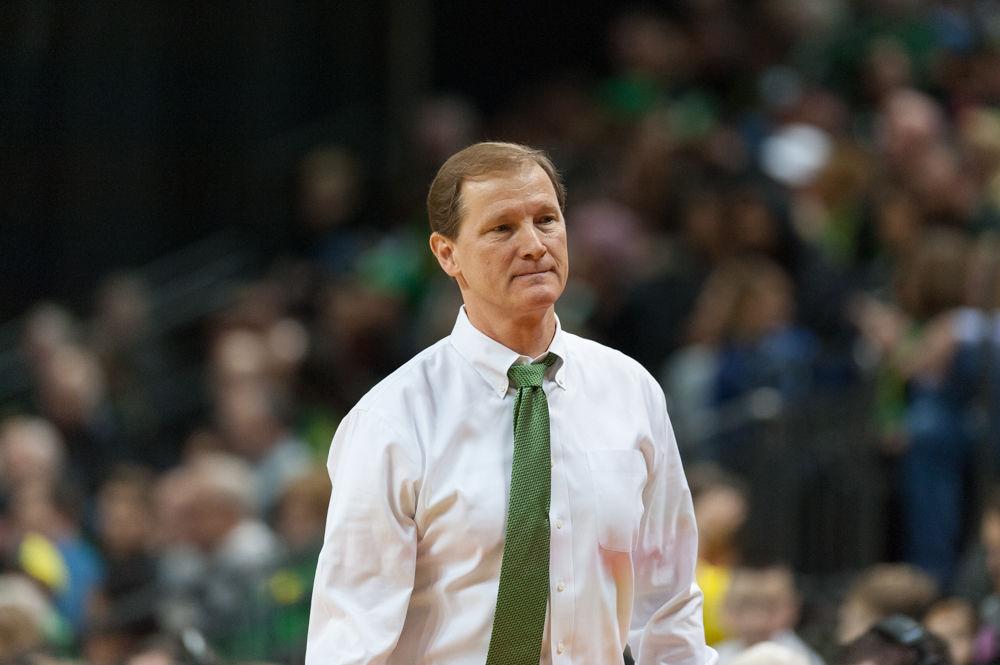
<point>420,468</point>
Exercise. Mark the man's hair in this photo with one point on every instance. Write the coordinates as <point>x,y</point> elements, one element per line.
<point>444,199</point>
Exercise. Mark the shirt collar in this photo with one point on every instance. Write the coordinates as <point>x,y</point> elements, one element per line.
<point>491,359</point>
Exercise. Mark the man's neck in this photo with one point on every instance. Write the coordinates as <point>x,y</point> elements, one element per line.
<point>529,335</point>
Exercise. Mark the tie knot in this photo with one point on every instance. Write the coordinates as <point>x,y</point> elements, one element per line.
<point>527,376</point>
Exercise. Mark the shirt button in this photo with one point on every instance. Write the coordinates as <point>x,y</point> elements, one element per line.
<point>558,524</point>
<point>561,586</point>
<point>560,647</point>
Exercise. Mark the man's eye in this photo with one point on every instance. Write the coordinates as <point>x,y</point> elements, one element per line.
<point>502,228</point>
<point>548,219</point>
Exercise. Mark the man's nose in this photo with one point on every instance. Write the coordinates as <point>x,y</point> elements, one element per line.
<point>532,246</point>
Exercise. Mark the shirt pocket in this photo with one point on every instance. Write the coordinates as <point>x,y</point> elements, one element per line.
<point>618,477</point>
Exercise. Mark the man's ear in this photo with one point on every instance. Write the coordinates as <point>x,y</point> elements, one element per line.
<point>444,251</point>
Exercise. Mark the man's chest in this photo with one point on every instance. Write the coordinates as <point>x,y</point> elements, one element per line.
<point>600,453</point>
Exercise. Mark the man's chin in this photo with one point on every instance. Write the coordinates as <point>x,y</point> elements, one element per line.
<point>540,297</point>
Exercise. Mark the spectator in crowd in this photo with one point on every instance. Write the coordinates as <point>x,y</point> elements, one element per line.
<point>928,389</point>
<point>300,523</point>
<point>881,591</point>
<point>742,171</point>
<point>171,517</point>
<point>720,510</point>
<point>650,322</point>
<point>762,605</point>
<point>50,546</point>
<point>27,618</point>
<point>142,378</point>
<point>895,640</point>
<point>72,395</point>
<point>745,316</point>
<point>608,254</point>
<point>257,340</point>
<point>253,423</point>
<point>31,449</point>
<point>954,621</point>
<point>48,327</point>
<point>301,510</point>
<point>211,575</point>
<point>122,611</point>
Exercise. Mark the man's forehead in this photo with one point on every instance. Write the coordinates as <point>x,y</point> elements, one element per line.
<point>527,185</point>
<point>524,173</point>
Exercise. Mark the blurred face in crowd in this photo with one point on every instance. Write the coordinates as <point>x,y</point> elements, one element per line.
<point>47,329</point>
<point>30,449</point>
<point>510,256</point>
<point>124,519</point>
<point>720,513</point>
<point>760,603</point>
<point>955,623</point>
<point>33,508</point>
<point>71,387</point>
<point>766,306</point>
<point>171,513</point>
<point>239,356</point>
<point>247,421</point>
<point>211,517</point>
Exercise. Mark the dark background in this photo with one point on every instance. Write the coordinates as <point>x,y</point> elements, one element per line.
<point>129,129</point>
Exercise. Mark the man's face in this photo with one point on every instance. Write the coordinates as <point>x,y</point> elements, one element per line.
<point>510,257</point>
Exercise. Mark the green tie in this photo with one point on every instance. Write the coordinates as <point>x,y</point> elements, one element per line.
<point>524,572</point>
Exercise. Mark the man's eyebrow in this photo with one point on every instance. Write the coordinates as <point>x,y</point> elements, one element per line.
<point>500,215</point>
<point>539,205</point>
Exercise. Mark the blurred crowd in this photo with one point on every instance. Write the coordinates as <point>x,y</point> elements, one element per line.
<point>774,206</point>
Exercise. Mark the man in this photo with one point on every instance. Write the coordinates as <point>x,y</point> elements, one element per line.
<point>456,536</point>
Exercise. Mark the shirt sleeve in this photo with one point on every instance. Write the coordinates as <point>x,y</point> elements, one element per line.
<point>667,625</point>
<point>365,572</point>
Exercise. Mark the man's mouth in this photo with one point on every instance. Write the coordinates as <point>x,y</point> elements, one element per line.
<point>533,273</point>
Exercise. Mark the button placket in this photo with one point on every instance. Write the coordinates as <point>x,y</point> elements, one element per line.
<point>562,569</point>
